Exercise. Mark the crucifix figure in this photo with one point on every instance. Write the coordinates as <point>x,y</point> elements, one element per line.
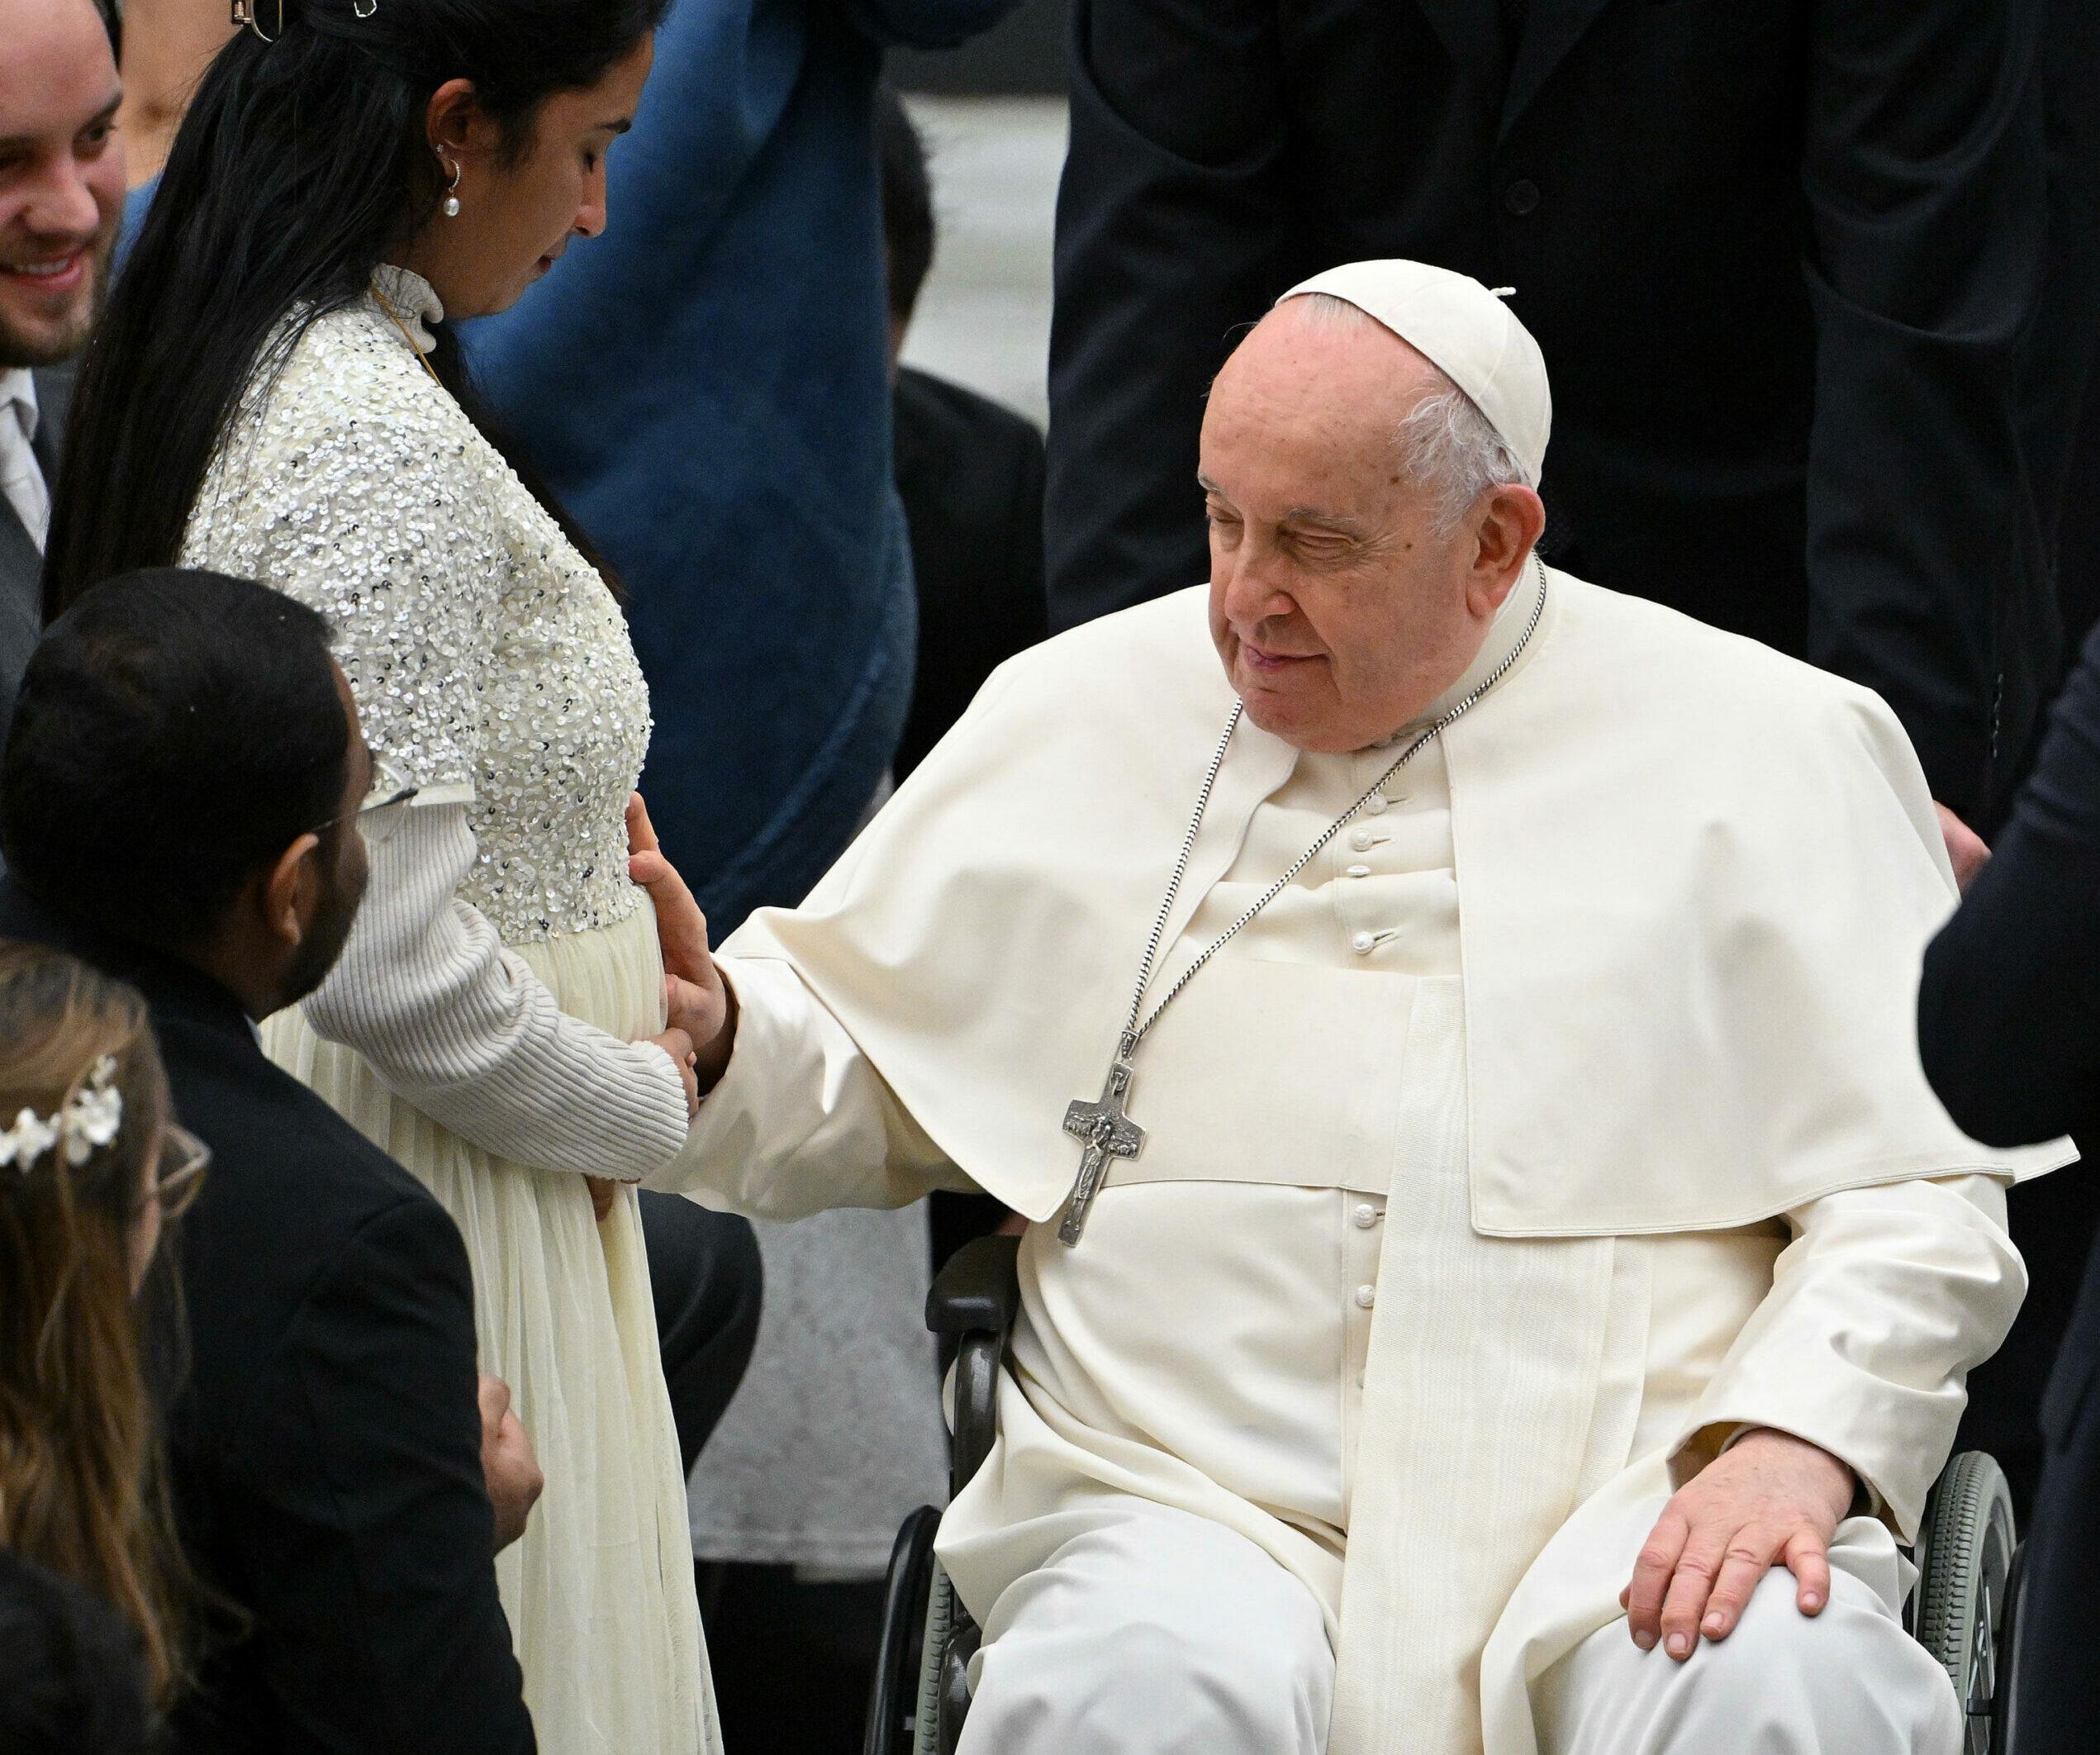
<point>1108,1133</point>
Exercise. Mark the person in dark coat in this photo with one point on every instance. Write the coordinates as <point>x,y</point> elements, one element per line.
<point>969,472</point>
<point>71,1682</point>
<point>1783,254</point>
<point>2009,1026</point>
<point>180,808</point>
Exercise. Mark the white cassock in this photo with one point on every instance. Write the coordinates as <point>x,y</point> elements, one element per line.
<point>1561,1119</point>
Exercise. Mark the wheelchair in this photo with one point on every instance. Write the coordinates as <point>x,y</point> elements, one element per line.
<point>1964,1610</point>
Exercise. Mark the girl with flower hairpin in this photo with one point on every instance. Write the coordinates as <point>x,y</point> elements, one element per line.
<point>93,1171</point>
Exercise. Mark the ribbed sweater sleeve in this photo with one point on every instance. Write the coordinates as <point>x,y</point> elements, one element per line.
<point>461,1027</point>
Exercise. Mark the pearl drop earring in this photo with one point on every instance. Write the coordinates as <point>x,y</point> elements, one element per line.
<point>452,191</point>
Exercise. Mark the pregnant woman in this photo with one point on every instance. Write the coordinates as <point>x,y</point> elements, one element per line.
<point>274,394</point>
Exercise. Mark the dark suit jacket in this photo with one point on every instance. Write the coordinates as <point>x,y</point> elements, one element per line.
<point>970,473</point>
<point>2009,1024</point>
<point>22,565</point>
<point>1781,256</point>
<point>327,1449</point>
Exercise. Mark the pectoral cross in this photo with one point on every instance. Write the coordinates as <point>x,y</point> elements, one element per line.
<point>1107,1133</point>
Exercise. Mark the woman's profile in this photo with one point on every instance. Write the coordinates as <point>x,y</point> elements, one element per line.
<point>276,393</point>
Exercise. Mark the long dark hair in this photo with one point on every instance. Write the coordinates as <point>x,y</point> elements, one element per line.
<point>300,164</point>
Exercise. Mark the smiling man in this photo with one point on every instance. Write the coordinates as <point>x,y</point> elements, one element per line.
<point>1514,1286</point>
<point>61,196</point>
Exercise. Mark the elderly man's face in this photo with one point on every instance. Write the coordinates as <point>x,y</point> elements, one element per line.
<point>1339,611</point>
<point>61,176</point>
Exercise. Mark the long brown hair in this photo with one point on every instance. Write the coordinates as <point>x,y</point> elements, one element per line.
<point>82,1482</point>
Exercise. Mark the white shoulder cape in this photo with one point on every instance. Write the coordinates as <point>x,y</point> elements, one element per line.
<point>1696,879</point>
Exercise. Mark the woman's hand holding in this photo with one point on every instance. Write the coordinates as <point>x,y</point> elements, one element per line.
<point>678,1045</point>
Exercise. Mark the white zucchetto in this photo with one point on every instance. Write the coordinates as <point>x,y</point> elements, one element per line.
<point>1464,330</point>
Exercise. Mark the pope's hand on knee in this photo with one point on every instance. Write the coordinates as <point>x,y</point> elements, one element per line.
<point>1770,1499</point>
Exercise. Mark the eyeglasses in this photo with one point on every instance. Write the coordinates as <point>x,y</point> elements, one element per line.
<point>386,796</point>
<point>180,1175</point>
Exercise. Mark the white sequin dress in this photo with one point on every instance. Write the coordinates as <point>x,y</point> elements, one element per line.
<point>483,1025</point>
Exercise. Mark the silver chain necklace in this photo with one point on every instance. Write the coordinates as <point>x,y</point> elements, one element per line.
<point>1103,1128</point>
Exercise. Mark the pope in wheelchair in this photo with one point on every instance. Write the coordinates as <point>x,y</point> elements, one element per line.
<point>1497,1280</point>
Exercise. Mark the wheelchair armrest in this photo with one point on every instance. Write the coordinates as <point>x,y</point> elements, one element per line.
<point>979,1291</point>
<point>975,1298</point>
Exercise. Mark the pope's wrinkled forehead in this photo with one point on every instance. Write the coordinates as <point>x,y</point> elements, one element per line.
<point>1311,385</point>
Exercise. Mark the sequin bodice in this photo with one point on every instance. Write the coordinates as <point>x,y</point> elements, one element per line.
<point>490,662</point>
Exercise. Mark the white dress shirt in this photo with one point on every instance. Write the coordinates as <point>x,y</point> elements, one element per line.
<point>21,477</point>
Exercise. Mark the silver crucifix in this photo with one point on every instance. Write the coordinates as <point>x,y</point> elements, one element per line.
<point>1107,1133</point>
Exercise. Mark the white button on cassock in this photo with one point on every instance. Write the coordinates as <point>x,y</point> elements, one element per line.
<point>1367,1296</point>
<point>1365,1215</point>
<point>1364,944</point>
<point>1376,803</point>
<point>1362,840</point>
<point>1357,871</point>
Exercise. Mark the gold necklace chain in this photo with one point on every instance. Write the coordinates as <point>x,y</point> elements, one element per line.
<point>386,305</point>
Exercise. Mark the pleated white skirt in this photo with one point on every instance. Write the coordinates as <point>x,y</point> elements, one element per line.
<point>600,1590</point>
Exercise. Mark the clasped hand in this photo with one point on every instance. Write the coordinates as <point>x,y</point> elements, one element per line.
<point>698,1007</point>
<point>1769,1499</point>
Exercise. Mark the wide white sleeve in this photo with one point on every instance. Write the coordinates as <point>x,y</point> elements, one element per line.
<point>800,1121</point>
<point>461,1027</point>
<point>1882,1303</point>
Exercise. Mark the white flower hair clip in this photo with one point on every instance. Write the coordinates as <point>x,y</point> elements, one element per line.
<point>90,1119</point>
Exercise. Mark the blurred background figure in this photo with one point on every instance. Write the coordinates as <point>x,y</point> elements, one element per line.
<point>2009,1023</point>
<point>93,1171</point>
<point>167,45</point>
<point>61,197</point>
<point>1819,338</point>
<point>969,473</point>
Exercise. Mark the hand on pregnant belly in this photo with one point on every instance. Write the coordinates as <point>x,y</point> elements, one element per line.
<point>697,1003</point>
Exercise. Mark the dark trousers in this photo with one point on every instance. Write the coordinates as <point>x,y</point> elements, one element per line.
<point>2058,1692</point>
<point>704,1275</point>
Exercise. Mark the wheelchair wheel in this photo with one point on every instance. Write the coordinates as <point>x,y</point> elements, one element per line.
<point>1964,1557</point>
<point>940,1628</point>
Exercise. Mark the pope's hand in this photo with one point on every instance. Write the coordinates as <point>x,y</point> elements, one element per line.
<point>509,1469</point>
<point>1966,847</point>
<point>1769,1499</point>
<point>698,1004</point>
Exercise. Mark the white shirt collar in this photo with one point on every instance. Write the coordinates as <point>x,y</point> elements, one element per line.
<point>414,301</point>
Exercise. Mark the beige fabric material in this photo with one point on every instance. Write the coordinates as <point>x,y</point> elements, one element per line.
<point>1201,1348</point>
<point>1697,876</point>
<point>1849,1680</point>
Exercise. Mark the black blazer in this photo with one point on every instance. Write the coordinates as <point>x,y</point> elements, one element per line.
<point>1781,256</point>
<point>21,565</point>
<point>327,1449</point>
<point>2009,1024</point>
<point>970,473</point>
